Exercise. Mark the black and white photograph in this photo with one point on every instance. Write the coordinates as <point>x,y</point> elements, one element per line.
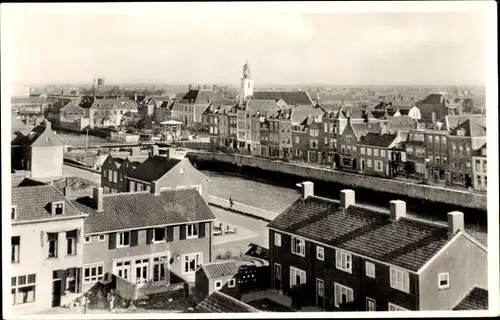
<point>286,159</point>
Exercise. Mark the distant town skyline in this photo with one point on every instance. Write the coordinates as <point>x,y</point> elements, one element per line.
<point>442,48</point>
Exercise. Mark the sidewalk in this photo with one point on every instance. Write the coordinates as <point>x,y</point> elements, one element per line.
<point>242,208</point>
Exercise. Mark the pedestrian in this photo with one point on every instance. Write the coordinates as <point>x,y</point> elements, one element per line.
<point>111,300</point>
<point>84,303</point>
<point>230,202</point>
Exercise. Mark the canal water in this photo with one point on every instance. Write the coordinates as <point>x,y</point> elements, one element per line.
<point>76,139</point>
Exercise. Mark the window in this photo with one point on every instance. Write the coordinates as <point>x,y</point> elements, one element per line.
<point>191,262</point>
<point>370,269</point>
<point>325,127</point>
<point>444,158</point>
<point>369,151</point>
<point>382,153</point>
<point>159,235</point>
<point>369,163</point>
<point>326,142</point>
<point>298,246</point>
<point>57,208</point>
<point>436,141</point>
<point>191,231</point>
<point>467,149</point>
<point>15,244</point>
<point>13,212</point>
<point>443,141</point>
<point>110,175</point>
<point>378,165</point>
<point>375,152</point>
<point>429,155</point>
<point>468,164</point>
<point>343,295</point>
<point>23,289</point>
<point>484,165</point>
<point>343,261</point>
<point>429,140</point>
<point>159,268</point>
<point>297,139</point>
<point>232,283</point>
<point>52,239</point>
<point>123,239</point>
<point>409,150</point>
<point>115,176</point>
<point>101,238</point>
<point>297,277</point>
<point>478,165</point>
<point>444,280</point>
<point>87,239</point>
<point>320,253</point>
<point>370,304</point>
<point>436,157</point>
<point>460,149</point>
<point>218,284</point>
<point>71,242</point>
<point>400,280</point>
<point>453,148</point>
<point>362,150</point>
<point>93,272</point>
<point>394,307</point>
<point>277,239</point>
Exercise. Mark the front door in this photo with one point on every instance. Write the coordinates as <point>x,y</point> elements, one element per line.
<point>277,276</point>
<point>320,293</point>
<point>56,293</point>
<point>123,270</point>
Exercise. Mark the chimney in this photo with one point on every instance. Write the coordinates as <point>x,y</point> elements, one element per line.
<point>307,189</point>
<point>433,117</point>
<point>154,150</point>
<point>347,198</point>
<point>455,222</point>
<point>48,125</point>
<point>398,209</point>
<point>155,189</point>
<point>98,198</point>
<point>66,190</point>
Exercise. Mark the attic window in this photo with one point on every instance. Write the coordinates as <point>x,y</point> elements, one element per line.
<point>57,208</point>
<point>47,140</point>
<point>182,171</point>
<point>13,213</point>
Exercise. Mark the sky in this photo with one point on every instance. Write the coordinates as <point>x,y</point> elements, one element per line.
<point>193,45</point>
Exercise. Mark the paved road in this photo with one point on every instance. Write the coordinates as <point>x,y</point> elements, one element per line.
<point>69,171</point>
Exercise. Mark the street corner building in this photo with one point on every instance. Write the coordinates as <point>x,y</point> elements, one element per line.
<point>144,242</point>
<point>345,256</point>
<point>46,249</point>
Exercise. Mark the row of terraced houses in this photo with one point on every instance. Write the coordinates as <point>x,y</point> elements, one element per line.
<point>423,140</point>
<point>150,230</point>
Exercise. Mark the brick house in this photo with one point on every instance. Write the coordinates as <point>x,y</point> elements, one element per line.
<point>256,112</point>
<point>303,117</point>
<point>345,256</point>
<point>40,151</point>
<point>373,157</point>
<point>149,240</point>
<point>222,125</point>
<point>114,172</point>
<point>46,249</point>
<point>415,149</point>
<point>469,135</point>
<point>438,160</point>
<point>284,118</point>
<point>168,173</point>
<point>215,276</point>
<point>479,166</point>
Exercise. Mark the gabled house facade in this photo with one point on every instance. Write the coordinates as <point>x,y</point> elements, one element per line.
<point>110,112</point>
<point>479,169</point>
<point>343,256</point>
<point>145,240</point>
<point>374,154</point>
<point>46,249</point>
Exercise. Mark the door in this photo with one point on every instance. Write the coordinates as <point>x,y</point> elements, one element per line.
<point>277,276</point>
<point>56,293</point>
<point>141,271</point>
<point>123,270</point>
<point>468,181</point>
<point>320,293</point>
<point>362,164</point>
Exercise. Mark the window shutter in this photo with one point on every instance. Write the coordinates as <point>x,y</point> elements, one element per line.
<point>112,240</point>
<point>149,236</point>
<point>42,238</point>
<point>78,233</point>
<point>170,234</point>
<point>201,230</point>
<point>182,232</point>
<point>134,238</point>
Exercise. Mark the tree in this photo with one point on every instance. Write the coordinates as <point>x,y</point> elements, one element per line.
<point>102,115</point>
<point>145,123</point>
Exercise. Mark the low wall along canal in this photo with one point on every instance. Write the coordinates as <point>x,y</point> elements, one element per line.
<point>432,201</point>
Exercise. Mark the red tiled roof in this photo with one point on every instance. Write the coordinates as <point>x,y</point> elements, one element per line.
<point>220,269</point>
<point>405,243</point>
<point>33,203</point>
<point>143,209</point>
<point>219,302</point>
<point>476,299</point>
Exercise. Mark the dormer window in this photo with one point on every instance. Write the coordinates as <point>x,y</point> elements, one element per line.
<point>57,208</point>
<point>13,213</point>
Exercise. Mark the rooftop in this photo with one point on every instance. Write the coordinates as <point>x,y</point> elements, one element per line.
<point>34,203</point>
<point>405,242</point>
<point>290,97</point>
<point>220,269</point>
<point>476,299</point>
<point>153,168</point>
<point>144,209</point>
<point>219,302</point>
<point>377,140</point>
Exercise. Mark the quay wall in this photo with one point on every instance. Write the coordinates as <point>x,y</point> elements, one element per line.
<point>395,187</point>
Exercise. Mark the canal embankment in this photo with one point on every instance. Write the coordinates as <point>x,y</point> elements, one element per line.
<point>427,197</point>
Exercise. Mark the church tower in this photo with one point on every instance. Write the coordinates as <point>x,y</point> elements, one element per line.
<point>246,87</point>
